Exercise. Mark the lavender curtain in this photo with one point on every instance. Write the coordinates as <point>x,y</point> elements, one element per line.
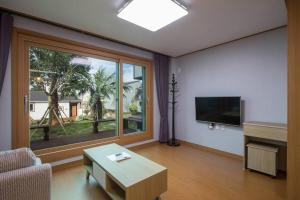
<point>6,24</point>
<point>161,65</point>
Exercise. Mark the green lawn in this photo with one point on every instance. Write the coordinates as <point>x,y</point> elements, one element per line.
<point>73,128</point>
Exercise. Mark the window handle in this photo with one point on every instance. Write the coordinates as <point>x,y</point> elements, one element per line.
<point>26,104</point>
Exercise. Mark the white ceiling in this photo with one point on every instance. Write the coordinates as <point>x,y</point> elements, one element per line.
<point>209,22</point>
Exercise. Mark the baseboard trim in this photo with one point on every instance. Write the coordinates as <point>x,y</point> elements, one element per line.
<point>140,146</point>
<point>67,165</point>
<point>212,150</point>
<point>79,162</point>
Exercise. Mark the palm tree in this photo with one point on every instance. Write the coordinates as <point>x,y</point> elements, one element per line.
<point>54,73</point>
<point>101,86</point>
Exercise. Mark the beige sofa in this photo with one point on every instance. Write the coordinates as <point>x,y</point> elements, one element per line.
<point>23,176</point>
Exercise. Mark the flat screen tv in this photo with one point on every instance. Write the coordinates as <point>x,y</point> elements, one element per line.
<point>222,110</point>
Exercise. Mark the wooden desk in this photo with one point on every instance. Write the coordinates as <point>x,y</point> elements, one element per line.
<point>267,133</point>
<point>133,179</point>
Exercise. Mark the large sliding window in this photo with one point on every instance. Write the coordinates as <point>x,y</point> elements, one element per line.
<point>70,96</point>
<point>74,96</point>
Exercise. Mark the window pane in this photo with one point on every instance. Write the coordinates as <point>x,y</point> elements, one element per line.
<point>134,99</point>
<point>72,98</point>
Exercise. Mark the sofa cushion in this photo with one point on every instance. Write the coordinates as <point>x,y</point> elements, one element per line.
<point>16,159</point>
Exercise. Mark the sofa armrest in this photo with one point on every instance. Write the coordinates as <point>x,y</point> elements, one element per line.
<point>30,183</point>
<point>16,159</point>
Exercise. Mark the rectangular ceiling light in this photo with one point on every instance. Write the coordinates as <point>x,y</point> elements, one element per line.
<point>152,14</point>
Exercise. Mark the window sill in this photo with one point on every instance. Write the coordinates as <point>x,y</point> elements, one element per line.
<point>72,150</point>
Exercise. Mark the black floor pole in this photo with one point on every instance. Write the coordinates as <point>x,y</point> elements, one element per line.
<point>173,141</point>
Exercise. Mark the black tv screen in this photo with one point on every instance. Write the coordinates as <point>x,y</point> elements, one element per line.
<point>223,110</point>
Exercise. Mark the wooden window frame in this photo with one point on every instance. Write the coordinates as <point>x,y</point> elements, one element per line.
<point>22,41</point>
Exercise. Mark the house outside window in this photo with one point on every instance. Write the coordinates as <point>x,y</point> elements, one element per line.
<point>32,107</point>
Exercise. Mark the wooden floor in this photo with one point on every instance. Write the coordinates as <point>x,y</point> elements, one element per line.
<point>193,174</point>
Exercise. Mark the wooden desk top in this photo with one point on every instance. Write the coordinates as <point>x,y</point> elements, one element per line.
<point>127,172</point>
<point>266,130</point>
<point>267,124</point>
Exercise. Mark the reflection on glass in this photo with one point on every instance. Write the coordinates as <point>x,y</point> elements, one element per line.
<point>134,100</point>
<point>72,98</point>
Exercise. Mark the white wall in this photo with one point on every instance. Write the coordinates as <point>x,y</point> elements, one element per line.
<point>79,110</point>
<point>254,68</point>
<point>5,98</point>
<point>41,107</point>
